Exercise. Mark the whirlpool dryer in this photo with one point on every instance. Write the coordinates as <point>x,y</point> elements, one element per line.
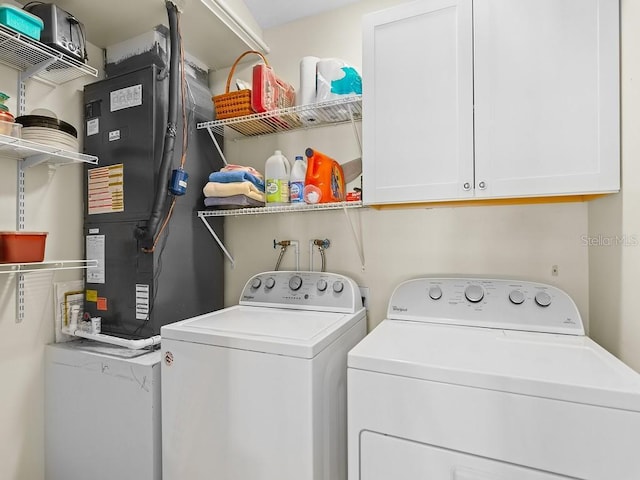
<point>479,379</point>
<point>258,390</point>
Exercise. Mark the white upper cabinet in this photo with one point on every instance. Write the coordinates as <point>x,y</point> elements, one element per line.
<point>417,102</point>
<point>491,99</point>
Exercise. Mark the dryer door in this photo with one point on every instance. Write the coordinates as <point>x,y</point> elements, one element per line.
<point>384,457</point>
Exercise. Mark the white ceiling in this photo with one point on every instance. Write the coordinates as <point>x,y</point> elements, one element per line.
<point>272,13</point>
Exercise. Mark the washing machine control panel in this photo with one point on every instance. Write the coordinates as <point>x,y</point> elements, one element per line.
<point>490,303</point>
<point>319,291</point>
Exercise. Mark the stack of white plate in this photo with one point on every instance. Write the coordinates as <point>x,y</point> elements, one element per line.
<point>48,130</point>
<point>51,137</point>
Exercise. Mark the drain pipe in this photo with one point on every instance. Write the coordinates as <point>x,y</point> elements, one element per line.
<point>120,342</point>
<point>148,233</point>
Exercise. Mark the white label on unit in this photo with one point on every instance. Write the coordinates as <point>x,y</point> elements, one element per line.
<point>94,231</point>
<point>114,135</point>
<point>93,126</point>
<point>142,301</point>
<point>95,251</point>
<point>126,98</point>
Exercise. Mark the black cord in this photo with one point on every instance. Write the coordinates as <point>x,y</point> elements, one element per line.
<point>28,4</point>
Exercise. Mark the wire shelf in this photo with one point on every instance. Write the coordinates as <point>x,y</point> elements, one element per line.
<point>47,266</point>
<point>279,209</point>
<point>35,153</point>
<point>28,55</point>
<point>300,117</point>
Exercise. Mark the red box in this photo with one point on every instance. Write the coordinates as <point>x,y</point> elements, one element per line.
<point>22,247</point>
<point>270,92</point>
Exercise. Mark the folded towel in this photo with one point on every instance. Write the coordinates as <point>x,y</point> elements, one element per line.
<point>215,189</point>
<point>241,168</point>
<point>236,176</point>
<point>234,201</point>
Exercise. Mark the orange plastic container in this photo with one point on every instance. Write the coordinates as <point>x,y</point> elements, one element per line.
<point>324,182</point>
<point>22,247</point>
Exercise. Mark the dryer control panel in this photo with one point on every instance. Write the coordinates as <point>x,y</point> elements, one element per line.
<point>318,291</point>
<point>490,303</point>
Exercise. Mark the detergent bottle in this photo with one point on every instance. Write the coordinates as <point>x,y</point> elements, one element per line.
<point>296,182</point>
<point>324,182</point>
<point>276,172</point>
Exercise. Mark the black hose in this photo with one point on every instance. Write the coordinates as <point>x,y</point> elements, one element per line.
<point>148,234</point>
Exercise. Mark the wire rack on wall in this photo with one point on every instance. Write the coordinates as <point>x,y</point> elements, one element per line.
<point>28,55</point>
<point>332,112</point>
<point>290,208</point>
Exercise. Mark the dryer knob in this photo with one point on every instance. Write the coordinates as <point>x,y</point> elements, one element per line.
<point>270,283</point>
<point>322,285</point>
<point>295,282</point>
<point>516,297</point>
<point>256,282</point>
<point>338,286</point>
<point>543,299</point>
<point>474,293</point>
<point>435,293</point>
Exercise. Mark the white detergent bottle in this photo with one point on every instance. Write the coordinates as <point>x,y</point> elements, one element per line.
<point>296,183</point>
<point>276,172</point>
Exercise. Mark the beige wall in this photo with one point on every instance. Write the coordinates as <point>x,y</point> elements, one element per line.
<point>518,241</point>
<point>614,222</point>
<point>53,204</point>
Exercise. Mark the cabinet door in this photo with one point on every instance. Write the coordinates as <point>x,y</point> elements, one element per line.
<point>418,102</point>
<point>546,97</point>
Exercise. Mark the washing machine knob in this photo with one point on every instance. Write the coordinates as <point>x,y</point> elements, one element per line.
<point>270,283</point>
<point>543,299</point>
<point>322,285</point>
<point>516,297</point>
<point>295,282</point>
<point>256,282</point>
<point>474,293</point>
<point>338,286</point>
<point>435,293</point>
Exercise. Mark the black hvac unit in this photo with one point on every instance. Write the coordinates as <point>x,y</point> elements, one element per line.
<point>134,292</point>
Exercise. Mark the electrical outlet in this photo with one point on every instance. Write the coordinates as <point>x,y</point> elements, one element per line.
<point>364,293</point>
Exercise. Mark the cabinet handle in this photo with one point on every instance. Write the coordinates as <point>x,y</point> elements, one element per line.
<point>466,186</point>
<point>482,185</point>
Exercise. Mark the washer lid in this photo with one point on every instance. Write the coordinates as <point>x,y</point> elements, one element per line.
<point>562,367</point>
<point>288,332</point>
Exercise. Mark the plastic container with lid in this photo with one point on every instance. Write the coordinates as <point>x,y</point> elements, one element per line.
<point>11,129</point>
<point>21,21</point>
<point>276,173</point>
<point>7,122</point>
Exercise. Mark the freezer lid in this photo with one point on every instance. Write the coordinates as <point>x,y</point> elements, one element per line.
<point>293,333</point>
<point>555,366</point>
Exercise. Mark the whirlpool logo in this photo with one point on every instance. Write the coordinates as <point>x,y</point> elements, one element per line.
<point>248,297</point>
<point>395,308</point>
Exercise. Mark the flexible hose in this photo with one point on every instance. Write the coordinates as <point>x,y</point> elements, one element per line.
<point>148,234</point>
<point>282,250</point>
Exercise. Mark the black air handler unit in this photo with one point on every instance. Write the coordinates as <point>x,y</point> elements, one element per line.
<point>135,293</point>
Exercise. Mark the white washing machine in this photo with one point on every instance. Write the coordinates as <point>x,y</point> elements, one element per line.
<point>479,379</point>
<point>257,391</point>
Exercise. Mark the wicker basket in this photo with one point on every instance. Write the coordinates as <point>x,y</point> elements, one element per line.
<point>235,104</point>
